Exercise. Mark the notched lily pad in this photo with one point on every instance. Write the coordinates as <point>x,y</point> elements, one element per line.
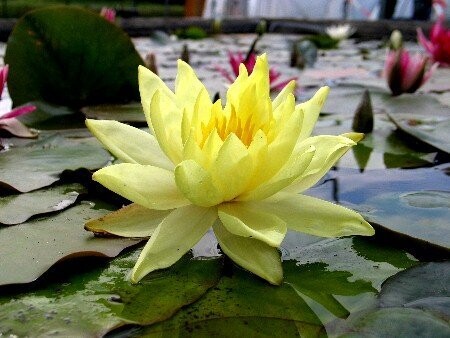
<point>40,243</point>
<point>39,163</point>
<point>15,209</point>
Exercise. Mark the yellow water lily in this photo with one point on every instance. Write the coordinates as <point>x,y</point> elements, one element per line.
<point>237,168</point>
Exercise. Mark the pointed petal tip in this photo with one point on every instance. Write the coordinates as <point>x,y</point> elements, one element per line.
<point>355,137</point>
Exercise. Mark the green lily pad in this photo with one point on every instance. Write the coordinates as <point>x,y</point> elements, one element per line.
<point>413,303</point>
<point>238,297</point>
<point>425,287</point>
<point>15,209</point>
<point>39,163</point>
<point>40,243</point>
<point>72,57</point>
<point>323,280</point>
<point>396,322</point>
<point>48,116</point>
<point>124,113</point>
<point>422,215</point>
<point>432,130</point>
<point>97,301</point>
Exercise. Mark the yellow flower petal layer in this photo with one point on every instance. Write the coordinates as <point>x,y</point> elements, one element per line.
<point>289,173</point>
<point>149,83</point>
<point>129,144</point>
<point>231,170</point>
<point>252,254</point>
<point>329,149</point>
<point>250,220</point>
<point>176,234</point>
<point>131,221</point>
<point>165,117</point>
<point>316,217</point>
<point>196,184</point>
<point>311,110</point>
<point>148,186</point>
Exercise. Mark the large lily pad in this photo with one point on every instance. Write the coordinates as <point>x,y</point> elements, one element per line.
<point>15,209</point>
<point>70,56</point>
<point>91,303</point>
<point>322,281</point>
<point>40,243</point>
<point>420,214</point>
<point>413,303</point>
<point>39,163</point>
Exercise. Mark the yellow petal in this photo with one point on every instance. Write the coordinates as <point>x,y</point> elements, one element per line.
<point>196,184</point>
<point>252,254</point>
<point>295,167</point>
<point>116,137</point>
<point>281,97</point>
<point>149,82</point>
<point>329,149</point>
<point>148,186</point>
<point>250,220</point>
<point>278,152</point>
<point>166,121</point>
<point>173,237</point>
<point>316,217</point>
<point>188,87</point>
<point>131,221</point>
<point>260,76</point>
<point>229,171</point>
<point>311,110</point>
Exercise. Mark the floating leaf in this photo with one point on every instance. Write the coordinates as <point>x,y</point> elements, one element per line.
<point>417,219</point>
<point>72,57</point>
<point>40,243</point>
<point>15,209</point>
<point>39,163</point>
<point>240,299</point>
<point>425,287</point>
<point>125,113</point>
<point>97,301</point>
<point>50,116</point>
<point>413,303</point>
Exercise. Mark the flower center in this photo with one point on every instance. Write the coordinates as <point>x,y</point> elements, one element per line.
<point>244,127</point>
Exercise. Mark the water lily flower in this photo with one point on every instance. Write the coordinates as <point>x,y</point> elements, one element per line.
<point>8,121</point>
<point>438,46</point>
<point>3,77</point>
<point>405,73</point>
<point>340,32</point>
<point>235,59</point>
<point>238,169</point>
<point>108,13</point>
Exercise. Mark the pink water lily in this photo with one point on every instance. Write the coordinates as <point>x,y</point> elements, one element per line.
<point>8,121</point>
<point>235,59</point>
<point>108,13</point>
<point>405,73</point>
<point>438,45</point>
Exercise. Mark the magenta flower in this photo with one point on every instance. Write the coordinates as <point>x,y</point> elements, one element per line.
<point>108,13</point>
<point>236,59</point>
<point>406,73</point>
<point>3,76</point>
<point>438,46</point>
<point>8,121</point>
